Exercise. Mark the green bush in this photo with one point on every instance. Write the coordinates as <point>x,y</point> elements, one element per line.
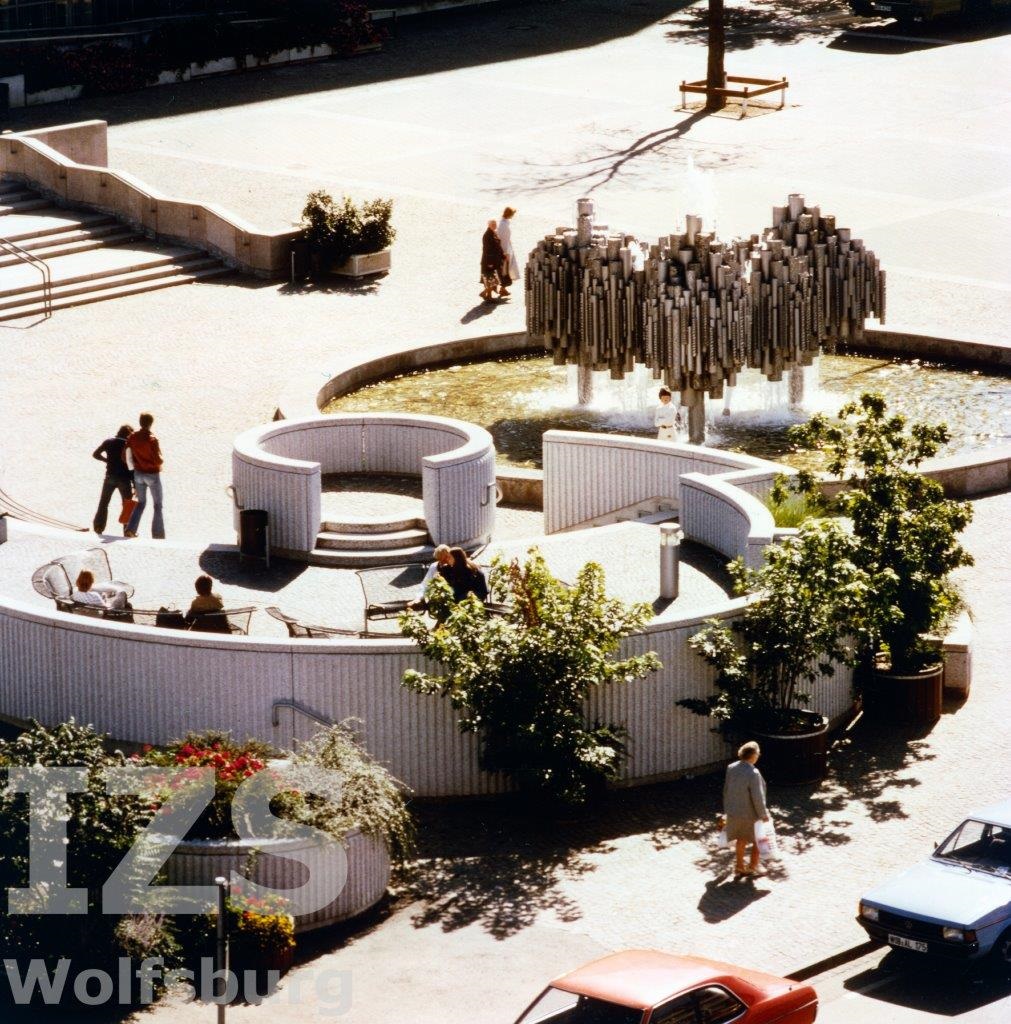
<point>100,829</point>
<point>521,681</point>
<point>906,528</point>
<point>335,230</point>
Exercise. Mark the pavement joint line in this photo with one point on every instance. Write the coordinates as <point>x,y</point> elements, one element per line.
<point>843,956</point>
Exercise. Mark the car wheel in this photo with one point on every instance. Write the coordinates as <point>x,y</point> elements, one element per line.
<point>1001,952</point>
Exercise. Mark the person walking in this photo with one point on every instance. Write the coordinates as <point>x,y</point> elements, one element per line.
<point>510,265</point>
<point>492,258</point>
<point>143,450</point>
<point>118,475</point>
<point>743,805</point>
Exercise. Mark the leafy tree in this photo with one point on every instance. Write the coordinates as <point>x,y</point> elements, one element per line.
<point>521,680</point>
<point>907,529</point>
<point>810,596</point>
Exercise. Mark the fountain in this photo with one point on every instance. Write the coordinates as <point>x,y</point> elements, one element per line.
<point>698,311</point>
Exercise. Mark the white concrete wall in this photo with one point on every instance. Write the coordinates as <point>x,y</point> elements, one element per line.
<point>278,468</point>
<point>588,475</point>
<point>725,518</point>
<point>148,685</point>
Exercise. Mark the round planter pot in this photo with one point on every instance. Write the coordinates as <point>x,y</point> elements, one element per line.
<point>795,758</point>
<point>199,862</point>
<point>906,699</point>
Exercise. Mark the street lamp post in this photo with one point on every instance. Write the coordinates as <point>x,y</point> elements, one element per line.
<point>671,536</point>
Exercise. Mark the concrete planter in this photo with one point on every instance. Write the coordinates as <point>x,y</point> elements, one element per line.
<point>219,66</point>
<point>364,265</point>
<point>64,92</point>
<point>199,862</point>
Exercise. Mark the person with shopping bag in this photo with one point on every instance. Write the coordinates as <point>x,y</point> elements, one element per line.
<point>744,805</point>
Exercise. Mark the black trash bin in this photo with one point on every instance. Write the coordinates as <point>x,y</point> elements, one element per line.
<point>254,533</point>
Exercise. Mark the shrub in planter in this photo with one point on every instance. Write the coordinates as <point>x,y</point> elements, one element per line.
<point>520,681</point>
<point>100,829</point>
<point>807,609</point>
<point>107,67</point>
<point>336,231</point>
<point>907,530</point>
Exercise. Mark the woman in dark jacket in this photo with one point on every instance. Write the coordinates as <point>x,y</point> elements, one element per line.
<point>492,258</point>
<point>464,577</point>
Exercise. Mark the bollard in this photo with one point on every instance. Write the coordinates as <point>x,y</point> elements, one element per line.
<point>671,536</point>
<point>221,959</point>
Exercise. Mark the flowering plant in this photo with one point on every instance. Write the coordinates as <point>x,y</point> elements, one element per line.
<point>232,762</point>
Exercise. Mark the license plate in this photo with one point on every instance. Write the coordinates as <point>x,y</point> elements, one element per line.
<point>903,943</point>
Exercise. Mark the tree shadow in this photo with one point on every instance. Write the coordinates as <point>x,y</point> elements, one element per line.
<point>332,286</point>
<point>596,171</point>
<point>781,22</point>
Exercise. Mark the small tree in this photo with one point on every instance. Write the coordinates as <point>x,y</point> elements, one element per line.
<point>906,528</point>
<point>521,680</point>
<point>808,606</point>
<point>716,75</point>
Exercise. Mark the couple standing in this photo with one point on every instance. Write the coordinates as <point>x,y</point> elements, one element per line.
<point>499,266</point>
<point>132,463</point>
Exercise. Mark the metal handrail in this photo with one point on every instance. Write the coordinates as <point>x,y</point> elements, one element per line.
<point>40,265</point>
<point>301,709</point>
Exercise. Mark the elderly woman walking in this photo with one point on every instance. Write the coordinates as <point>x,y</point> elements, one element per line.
<point>743,805</point>
<point>510,265</point>
<point>492,257</point>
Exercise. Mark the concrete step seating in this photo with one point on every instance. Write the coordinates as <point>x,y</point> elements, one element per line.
<point>91,257</point>
<point>364,543</point>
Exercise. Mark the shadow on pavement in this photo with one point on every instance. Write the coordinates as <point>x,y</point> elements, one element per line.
<point>498,864</point>
<point>252,573</point>
<point>898,39</point>
<point>936,988</point>
<point>422,45</point>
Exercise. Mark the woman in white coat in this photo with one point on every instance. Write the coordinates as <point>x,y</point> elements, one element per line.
<point>510,269</point>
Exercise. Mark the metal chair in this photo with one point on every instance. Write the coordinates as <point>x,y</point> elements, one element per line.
<point>298,630</point>
<point>228,620</point>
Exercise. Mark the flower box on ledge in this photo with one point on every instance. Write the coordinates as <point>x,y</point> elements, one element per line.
<point>364,265</point>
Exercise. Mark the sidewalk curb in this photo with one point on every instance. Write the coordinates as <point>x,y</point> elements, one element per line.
<point>844,956</point>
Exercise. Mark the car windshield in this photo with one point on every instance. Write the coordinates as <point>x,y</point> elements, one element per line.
<point>558,1007</point>
<point>979,845</point>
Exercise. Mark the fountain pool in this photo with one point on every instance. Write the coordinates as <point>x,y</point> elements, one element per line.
<point>518,398</point>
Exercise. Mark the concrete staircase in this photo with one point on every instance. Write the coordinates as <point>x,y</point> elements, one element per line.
<point>365,543</point>
<point>91,256</point>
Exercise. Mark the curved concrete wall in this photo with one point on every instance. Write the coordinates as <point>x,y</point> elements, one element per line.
<point>151,686</point>
<point>278,468</point>
<point>725,518</point>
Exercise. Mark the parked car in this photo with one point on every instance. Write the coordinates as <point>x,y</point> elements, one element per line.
<point>957,903</point>
<point>927,10</point>
<point>644,986</point>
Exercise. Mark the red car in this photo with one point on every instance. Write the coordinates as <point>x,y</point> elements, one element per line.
<point>644,986</point>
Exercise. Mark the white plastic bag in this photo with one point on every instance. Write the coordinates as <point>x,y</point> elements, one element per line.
<point>722,843</point>
<point>765,840</point>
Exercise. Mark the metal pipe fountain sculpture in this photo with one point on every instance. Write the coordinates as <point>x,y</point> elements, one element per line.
<point>700,310</point>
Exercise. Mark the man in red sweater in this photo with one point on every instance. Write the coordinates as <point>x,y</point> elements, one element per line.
<point>143,451</point>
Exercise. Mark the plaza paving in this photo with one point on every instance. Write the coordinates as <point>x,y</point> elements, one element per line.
<point>537,104</point>
<point>532,104</point>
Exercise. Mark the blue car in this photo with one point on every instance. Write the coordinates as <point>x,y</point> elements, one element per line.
<point>957,903</point>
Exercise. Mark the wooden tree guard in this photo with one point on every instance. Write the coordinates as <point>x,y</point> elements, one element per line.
<point>747,89</point>
<point>701,310</point>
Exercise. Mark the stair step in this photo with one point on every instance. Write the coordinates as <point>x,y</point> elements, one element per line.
<point>354,524</point>
<point>49,248</point>
<point>12,188</point>
<point>37,307</point>
<point>69,221</point>
<point>369,559</point>
<point>145,265</point>
<point>21,203</point>
<point>372,541</point>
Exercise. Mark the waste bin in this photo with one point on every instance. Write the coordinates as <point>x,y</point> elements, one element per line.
<point>254,533</point>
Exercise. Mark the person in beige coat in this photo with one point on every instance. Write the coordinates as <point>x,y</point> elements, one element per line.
<point>743,805</point>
